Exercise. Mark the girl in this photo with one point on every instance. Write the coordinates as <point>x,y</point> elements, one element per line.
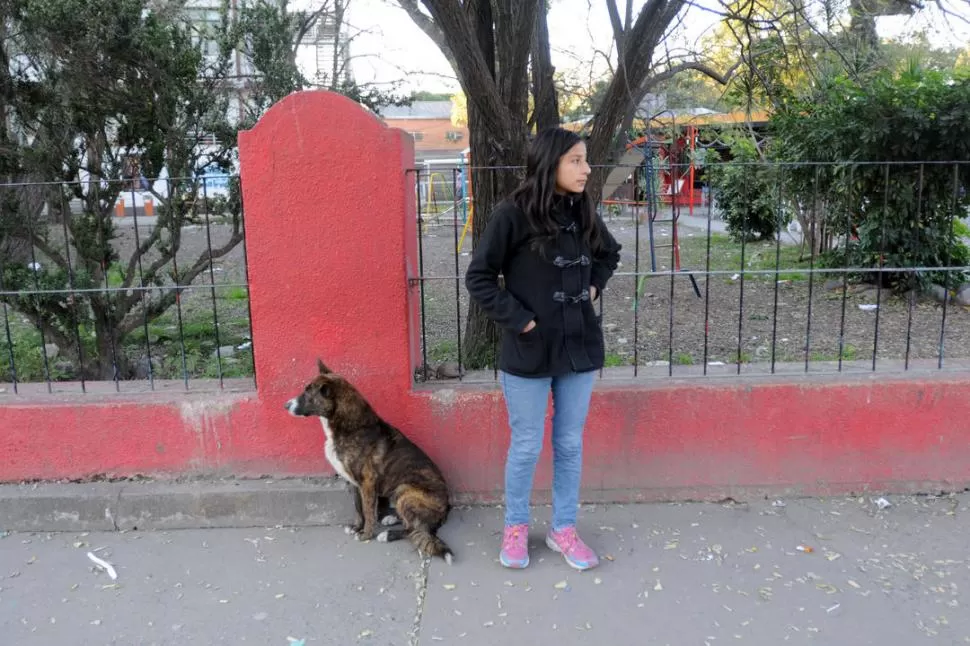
<point>556,256</point>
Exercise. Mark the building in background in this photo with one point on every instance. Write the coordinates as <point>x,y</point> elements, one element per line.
<point>429,123</point>
<point>323,54</point>
<point>205,18</point>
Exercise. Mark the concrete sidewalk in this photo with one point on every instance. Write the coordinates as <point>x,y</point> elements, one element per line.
<point>672,574</point>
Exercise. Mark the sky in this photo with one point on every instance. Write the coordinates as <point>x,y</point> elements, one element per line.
<point>391,48</point>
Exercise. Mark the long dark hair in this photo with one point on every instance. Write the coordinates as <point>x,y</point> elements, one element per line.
<point>536,194</point>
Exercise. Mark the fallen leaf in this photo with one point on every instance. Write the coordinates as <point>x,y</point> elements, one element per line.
<point>449,586</point>
<point>658,587</point>
<point>561,585</point>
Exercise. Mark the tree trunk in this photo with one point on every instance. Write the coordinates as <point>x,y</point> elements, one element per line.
<point>110,361</point>
<point>495,159</point>
<point>545,110</point>
<point>492,181</point>
<point>605,140</point>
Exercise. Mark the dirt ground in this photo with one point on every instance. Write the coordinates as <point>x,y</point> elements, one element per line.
<point>800,316</point>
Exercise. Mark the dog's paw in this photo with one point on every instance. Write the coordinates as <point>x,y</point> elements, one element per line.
<point>390,520</point>
<point>350,530</point>
<point>363,536</point>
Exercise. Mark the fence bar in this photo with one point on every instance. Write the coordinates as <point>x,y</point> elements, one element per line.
<point>707,283</point>
<point>144,296</point>
<point>774,315</point>
<point>249,300</point>
<point>636,266</point>
<point>914,280</point>
<point>946,276</point>
<point>454,196</point>
<point>674,216</point>
<point>34,270</point>
<point>212,278</point>
<point>110,323</point>
<point>744,240</point>
<point>178,303</point>
<point>845,273</point>
<point>65,214</point>
<point>6,327</point>
<point>424,328</point>
<point>882,258</point>
<point>814,241</point>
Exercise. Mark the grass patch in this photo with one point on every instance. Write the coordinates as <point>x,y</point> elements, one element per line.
<point>614,360</point>
<point>683,359</point>
<point>849,353</point>
<point>28,357</point>
<point>443,351</point>
<point>237,294</point>
<point>758,256</point>
<point>197,342</point>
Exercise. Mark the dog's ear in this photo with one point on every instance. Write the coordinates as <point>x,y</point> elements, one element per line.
<point>324,370</point>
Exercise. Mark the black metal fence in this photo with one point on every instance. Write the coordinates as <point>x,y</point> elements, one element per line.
<point>761,269</point>
<point>129,286</point>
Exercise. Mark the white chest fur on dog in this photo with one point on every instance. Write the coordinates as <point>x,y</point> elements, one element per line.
<point>331,452</point>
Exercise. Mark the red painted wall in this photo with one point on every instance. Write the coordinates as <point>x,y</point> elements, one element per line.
<point>331,243</point>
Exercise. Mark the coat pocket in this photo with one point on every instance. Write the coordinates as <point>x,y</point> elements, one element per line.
<point>528,352</point>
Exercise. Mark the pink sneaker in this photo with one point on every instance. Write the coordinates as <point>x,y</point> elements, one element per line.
<point>568,543</point>
<point>515,547</point>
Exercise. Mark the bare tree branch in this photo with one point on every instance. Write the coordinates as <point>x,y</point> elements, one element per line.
<point>156,308</point>
<point>429,27</point>
<point>722,78</point>
<point>619,32</point>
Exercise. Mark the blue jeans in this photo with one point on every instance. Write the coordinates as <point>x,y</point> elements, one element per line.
<point>526,400</point>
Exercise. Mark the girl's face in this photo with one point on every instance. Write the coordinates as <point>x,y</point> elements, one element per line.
<point>572,172</point>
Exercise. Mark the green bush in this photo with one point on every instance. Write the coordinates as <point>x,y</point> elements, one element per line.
<point>887,145</point>
<point>745,190</point>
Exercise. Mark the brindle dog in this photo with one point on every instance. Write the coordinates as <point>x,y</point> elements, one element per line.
<point>385,469</point>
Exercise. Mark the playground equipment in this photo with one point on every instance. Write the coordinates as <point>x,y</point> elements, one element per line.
<point>654,169</point>
<point>453,175</point>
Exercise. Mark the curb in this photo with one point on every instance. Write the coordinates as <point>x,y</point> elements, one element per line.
<point>152,505</point>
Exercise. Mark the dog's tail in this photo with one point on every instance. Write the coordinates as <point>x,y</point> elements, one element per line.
<point>430,545</point>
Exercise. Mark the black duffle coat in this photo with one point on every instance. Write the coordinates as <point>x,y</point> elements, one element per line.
<point>551,287</point>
